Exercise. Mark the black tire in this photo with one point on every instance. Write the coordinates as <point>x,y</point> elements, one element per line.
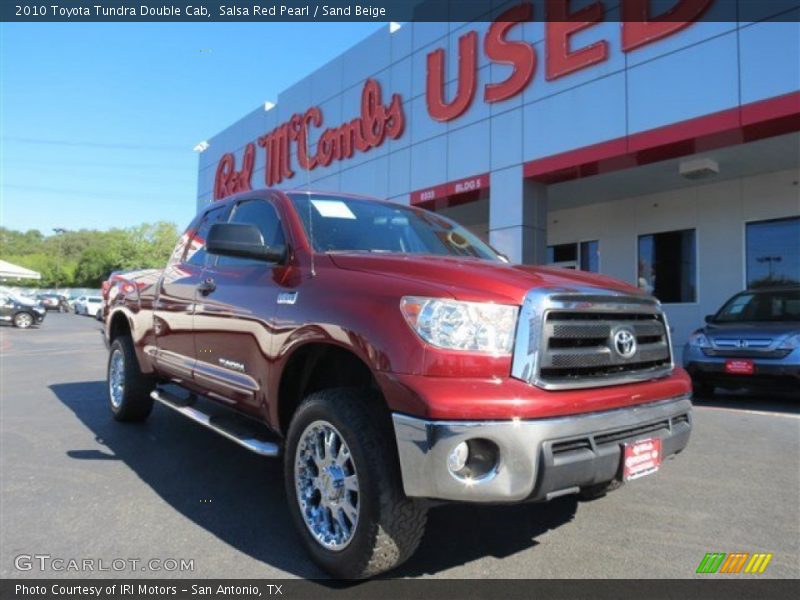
<point>99,314</point>
<point>702,389</point>
<point>23,320</point>
<point>134,402</point>
<point>390,525</point>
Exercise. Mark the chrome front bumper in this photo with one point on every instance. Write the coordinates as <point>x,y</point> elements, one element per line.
<point>539,459</point>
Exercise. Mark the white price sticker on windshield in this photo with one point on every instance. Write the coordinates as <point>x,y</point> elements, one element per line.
<point>333,209</point>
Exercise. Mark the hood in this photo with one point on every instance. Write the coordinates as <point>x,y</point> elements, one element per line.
<point>469,278</point>
<point>26,301</point>
<point>771,330</point>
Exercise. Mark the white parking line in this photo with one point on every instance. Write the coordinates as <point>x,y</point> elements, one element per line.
<point>748,411</point>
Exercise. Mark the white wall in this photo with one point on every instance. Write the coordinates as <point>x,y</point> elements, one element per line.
<point>717,211</point>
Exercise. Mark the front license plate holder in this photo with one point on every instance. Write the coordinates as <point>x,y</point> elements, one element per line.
<point>640,458</point>
<point>739,367</point>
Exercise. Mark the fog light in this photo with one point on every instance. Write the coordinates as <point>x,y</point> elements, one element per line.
<point>474,461</point>
<point>458,458</point>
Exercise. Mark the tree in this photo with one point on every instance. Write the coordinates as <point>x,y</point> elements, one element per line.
<point>18,243</point>
<point>85,258</point>
<point>93,267</point>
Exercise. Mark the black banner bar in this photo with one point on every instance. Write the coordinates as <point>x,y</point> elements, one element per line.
<point>380,10</point>
<point>712,588</point>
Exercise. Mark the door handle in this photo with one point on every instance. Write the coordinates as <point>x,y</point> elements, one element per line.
<point>207,286</point>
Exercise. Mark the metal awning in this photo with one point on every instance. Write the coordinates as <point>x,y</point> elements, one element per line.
<point>11,271</point>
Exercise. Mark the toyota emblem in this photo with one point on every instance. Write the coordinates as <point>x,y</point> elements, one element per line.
<point>625,343</point>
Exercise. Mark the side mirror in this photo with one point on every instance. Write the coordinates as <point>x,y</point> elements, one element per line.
<point>243,241</point>
<point>709,318</point>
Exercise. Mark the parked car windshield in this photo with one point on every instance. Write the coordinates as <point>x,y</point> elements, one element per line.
<point>766,306</point>
<point>340,224</point>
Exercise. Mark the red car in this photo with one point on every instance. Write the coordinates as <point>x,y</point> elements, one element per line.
<point>393,359</point>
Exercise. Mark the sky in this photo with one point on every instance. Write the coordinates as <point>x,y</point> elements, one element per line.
<point>98,121</point>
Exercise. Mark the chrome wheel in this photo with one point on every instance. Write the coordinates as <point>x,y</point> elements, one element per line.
<point>326,485</point>
<point>23,320</point>
<point>116,378</point>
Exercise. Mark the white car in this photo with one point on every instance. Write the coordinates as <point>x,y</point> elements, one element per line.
<point>89,305</point>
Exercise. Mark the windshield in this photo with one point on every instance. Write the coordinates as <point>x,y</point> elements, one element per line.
<point>94,299</point>
<point>781,305</point>
<point>357,225</point>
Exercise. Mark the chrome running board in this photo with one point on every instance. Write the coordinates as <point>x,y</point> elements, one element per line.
<point>236,432</point>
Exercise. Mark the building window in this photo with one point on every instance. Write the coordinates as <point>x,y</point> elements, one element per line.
<point>584,256</point>
<point>773,253</point>
<point>668,265</point>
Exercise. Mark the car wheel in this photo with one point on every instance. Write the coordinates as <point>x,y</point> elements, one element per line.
<point>99,314</point>
<point>128,389</point>
<point>23,320</point>
<point>344,487</point>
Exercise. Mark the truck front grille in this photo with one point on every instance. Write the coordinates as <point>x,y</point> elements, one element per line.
<point>580,340</point>
<point>581,344</point>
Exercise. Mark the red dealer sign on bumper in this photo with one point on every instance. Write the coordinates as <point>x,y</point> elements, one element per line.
<point>641,458</point>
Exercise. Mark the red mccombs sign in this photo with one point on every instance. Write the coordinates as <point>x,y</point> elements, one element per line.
<point>377,121</point>
<point>362,134</point>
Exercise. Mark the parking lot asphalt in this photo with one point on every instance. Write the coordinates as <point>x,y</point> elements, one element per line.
<point>76,484</point>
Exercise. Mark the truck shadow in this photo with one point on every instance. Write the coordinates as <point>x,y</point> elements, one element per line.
<point>457,534</point>
<point>239,497</point>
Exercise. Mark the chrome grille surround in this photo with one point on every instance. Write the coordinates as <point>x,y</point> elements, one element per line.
<point>605,311</point>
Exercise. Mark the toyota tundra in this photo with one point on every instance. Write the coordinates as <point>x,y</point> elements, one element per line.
<point>394,360</point>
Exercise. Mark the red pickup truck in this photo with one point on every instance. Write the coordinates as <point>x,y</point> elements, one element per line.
<point>394,360</point>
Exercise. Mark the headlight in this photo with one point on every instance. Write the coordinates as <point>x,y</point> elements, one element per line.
<point>699,340</point>
<point>39,309</point>
<point>791,342</point>
<point>467,326</point>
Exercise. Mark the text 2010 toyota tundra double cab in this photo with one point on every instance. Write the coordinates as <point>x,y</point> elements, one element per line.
<point>394,360</point>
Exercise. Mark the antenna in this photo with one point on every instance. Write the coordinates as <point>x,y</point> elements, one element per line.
<point>310,216</point>
<point>311,231</point>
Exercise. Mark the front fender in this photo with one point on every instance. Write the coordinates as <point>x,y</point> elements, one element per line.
<point>136,322</point>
